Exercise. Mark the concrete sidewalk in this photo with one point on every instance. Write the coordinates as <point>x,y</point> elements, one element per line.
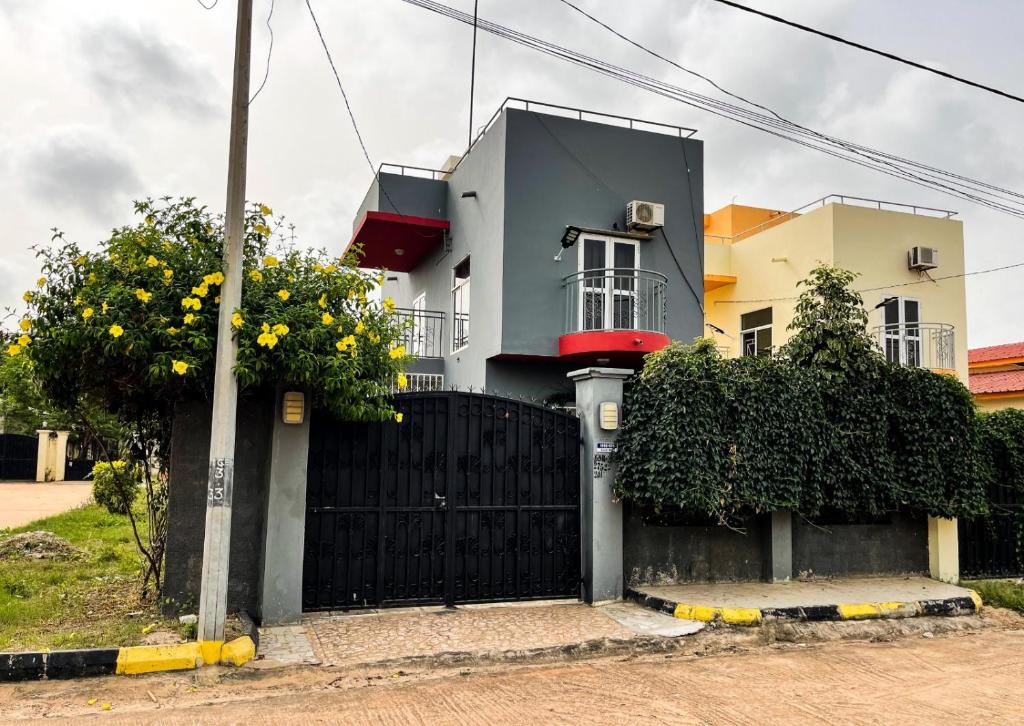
<point>748,603</point>
<point>24,502</point>
<point>469,633</point>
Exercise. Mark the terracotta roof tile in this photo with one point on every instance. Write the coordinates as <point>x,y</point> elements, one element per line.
<point>998,382</point>
<point>996,352</point>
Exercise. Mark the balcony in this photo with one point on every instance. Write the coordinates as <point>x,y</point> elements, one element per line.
<point>918,345</point>
<point>616,314</point>
<point>423,335</point>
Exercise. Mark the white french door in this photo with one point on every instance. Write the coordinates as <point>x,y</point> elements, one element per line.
<point>901,318</point>
<point>608,289</point>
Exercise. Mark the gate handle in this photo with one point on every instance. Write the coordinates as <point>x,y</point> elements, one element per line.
<point>443,500</point>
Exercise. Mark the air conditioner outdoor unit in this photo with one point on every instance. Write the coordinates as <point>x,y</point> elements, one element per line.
<point>645,215</point>
<point>922,258</point>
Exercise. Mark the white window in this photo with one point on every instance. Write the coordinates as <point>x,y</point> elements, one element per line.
<point>460,305</point>
<point>418,334</point>
<point>608,283</point>
<point>756,332</point>
<point>901,318</point>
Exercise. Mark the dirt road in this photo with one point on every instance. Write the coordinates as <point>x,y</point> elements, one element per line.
<point>976,677</point>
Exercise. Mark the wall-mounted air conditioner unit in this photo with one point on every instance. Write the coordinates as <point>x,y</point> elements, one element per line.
<point>922,258</point>
<point>645,215</point>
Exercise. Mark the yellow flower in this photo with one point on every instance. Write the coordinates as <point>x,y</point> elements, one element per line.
<point>318,267</point>
<point>80,261</point>
<point>265,327</point>
<point>191,303</point>
<point>201,290</point>
<point>149,219</point>
<point>374,337</point>
<point>351,295</point>
<point>179,367</point>
<point>262,229</point>
<point>291,278</point>
<point>330,268</point>
<point>40,282</point>
<point>267,340</point>
<point>25,324</point>
<point>283,294</point>
<point>398,352</point>
<point>27,297</point>
<point>216,278</point>
<point>13,350</point>
<point>265,210</point>
<point>172,331</point>
<point>236,320</point>
<point>216,300</point>
<point>142,295</point>
<point>327,318</point>
<point>280,329</point>
<point>24,340</point>
<point>380,279</point>
<point>340,345</point>
<point>270,261</point>
<point>403,382</point>
<point>256,276</point>
<point>152,261</point>
<point>168,274</point>
<point>322,302</point>
<point>116,330</point>
<point>349,339</point>
<point>87,313</point>
<point>189,318</point>
<point>92,277</point>
<point>398,418</point>
<point>105,307</point>
<point>360,328</point>
<point>389,304</point>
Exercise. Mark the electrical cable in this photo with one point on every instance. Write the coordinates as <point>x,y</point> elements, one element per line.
<point>270,51</point>
<point>747,117</point>
<point>869,49</point>
<point>348,107</point>
<point>204,6</point>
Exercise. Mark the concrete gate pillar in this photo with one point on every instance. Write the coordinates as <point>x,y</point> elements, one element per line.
<point>781,546</point>
<point>599,404</point>
<point>943,549</point>
<point>51,455</point>
<point>284,526</point>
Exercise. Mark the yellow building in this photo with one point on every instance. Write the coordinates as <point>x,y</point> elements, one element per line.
<point>755,257</point>
<point>997,376</point>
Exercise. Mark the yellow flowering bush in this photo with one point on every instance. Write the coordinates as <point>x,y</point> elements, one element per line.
<point>143,310</point>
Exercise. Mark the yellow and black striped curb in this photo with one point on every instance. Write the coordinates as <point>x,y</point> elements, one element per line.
<point>59,664</point>
<point>964,605</point>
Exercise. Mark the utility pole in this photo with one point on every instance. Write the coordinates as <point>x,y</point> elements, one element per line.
<point>217,543</point>
<point>472,79</point>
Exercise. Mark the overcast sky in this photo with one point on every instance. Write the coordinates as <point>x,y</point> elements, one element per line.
<point>111,100</point>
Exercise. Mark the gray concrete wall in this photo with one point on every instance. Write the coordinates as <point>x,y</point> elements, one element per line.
<point>899,547</point>
<point>190,451</point>
<point>562,171</point>
<point>412,195</point>
<point>544,380</point>
<point>654,554</point>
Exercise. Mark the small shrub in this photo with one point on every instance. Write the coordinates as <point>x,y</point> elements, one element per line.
<point>115,487</point>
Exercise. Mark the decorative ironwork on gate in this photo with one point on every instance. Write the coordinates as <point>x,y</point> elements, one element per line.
<point>18,457</point>
<point>993,546</point>
<point>472,498</point>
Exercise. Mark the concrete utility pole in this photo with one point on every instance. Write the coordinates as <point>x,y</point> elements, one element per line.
<point>217,545</point>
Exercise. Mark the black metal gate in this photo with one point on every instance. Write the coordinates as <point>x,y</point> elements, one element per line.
<point>472,498</point>
<point>18,457</point>
<point>993,546</point>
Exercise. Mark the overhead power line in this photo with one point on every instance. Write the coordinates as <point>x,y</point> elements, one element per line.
<point>869,49</point>
<point>934,178</point>
<point>270,52</point>
<point>348,107</point>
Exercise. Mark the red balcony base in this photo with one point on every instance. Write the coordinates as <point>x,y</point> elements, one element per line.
<point>618,346</point>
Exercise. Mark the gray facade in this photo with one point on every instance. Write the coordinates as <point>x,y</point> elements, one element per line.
<point>527,178</point>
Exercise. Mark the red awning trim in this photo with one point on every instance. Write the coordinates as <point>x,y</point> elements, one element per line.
<point>396,242</point>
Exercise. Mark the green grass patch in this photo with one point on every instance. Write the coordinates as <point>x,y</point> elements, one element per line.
<point>89,601</point>
<point>999,593</point>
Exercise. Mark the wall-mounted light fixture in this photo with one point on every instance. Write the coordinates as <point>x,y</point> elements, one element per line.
<point>609,415</point>
<point>469,195</point>
<point>399,251</point>
<point>569,238</point>
<point>293,407</point>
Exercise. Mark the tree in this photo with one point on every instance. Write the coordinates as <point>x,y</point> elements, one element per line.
<point>131,329</point>
<point>830,326</point>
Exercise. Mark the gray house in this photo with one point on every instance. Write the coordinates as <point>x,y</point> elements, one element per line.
<point>517,262</point>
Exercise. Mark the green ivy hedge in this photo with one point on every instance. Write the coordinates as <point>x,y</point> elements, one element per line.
<point>728,438</point>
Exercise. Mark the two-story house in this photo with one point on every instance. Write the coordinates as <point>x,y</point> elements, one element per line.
<point>527,257</point>
<point>909,260</point>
